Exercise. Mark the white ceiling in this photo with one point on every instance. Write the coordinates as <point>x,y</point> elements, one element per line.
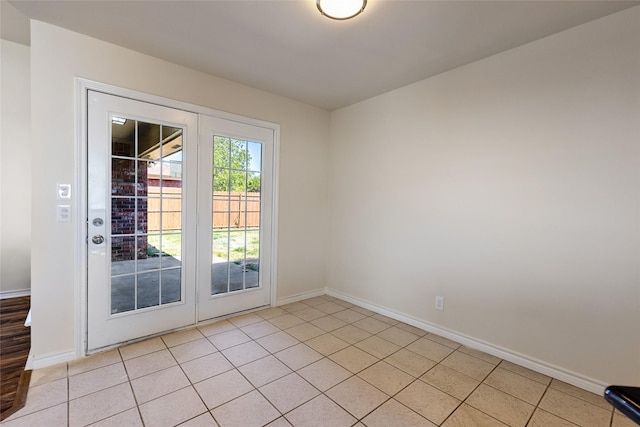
<point>14,26</point>
<point>288,48</point>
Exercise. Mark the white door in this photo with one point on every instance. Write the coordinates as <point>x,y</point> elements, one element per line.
<point>235,203</point>
<point>142,174</point>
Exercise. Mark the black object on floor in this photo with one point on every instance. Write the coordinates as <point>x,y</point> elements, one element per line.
<point>625,399</point>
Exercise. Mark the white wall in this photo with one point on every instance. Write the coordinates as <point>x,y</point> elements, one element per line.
<point>57,57</point>
<point>511,187</point>
<point>15,169</point>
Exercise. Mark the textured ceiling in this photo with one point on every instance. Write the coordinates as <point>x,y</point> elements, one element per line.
<point>288,48</point>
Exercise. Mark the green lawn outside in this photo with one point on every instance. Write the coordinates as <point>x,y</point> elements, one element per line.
<point>222,240</point>
<point>235,240</point>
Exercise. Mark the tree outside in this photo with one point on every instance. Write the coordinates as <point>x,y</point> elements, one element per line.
<point>231,164</point>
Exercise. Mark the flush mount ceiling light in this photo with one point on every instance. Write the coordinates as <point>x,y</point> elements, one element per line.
<point>341,9</point>
<point>118,120</point>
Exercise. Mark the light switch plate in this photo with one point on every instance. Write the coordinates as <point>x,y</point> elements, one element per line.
<point>64,191</point>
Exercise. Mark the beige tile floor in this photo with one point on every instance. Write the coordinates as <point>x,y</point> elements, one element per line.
<point>319,362</point>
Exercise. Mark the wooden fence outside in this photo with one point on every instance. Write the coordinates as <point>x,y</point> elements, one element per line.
<point>230,210</point>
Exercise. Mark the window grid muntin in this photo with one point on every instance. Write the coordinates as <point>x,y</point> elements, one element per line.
<point>162,266</point>
<point>246,171</point>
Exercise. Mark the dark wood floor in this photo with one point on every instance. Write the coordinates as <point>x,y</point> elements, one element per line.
<point>15,341</point>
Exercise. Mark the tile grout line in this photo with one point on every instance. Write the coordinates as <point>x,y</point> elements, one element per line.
<point>191,384</point>
<point>283,415</point>
<point>321,393</point>
<point>459,349</point>
<point>379,359</point>
<point>135,398</point>
<point>548,385</point>
<point>252,385</point>
<point>464,401</point>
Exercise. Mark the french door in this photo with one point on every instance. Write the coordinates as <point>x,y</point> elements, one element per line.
<point>234,199</point>
<point>179,228</point>
<point>141,218</point>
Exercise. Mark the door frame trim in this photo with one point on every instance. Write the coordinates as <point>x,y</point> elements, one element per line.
<point>81,87</point>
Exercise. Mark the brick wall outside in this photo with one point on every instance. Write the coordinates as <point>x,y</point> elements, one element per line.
<point>123,207</point>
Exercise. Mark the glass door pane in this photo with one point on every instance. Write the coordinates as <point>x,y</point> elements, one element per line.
<point>142,218</point>
<point>146,214</point>
<point>237,168</point>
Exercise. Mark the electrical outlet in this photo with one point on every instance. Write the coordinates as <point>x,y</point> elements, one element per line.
<point>63,213</point>
<point>440,303</point>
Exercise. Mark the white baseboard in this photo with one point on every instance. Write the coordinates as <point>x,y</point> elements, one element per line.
<point>301,296</point>
<point>40,362</point>
<point>561,374</point>
<point>542,367</point>
<point>15,294</point>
